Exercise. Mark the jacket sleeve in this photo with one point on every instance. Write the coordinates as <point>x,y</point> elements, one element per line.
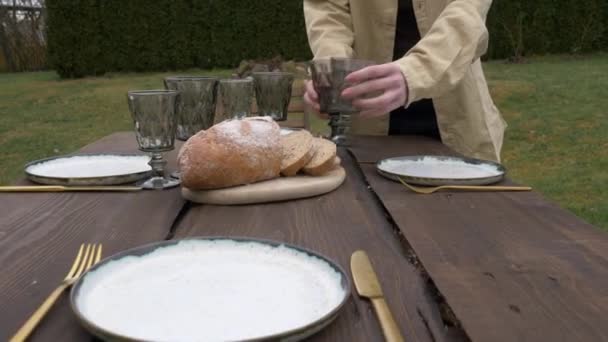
<point>329,28</point>
<point>441,58</point>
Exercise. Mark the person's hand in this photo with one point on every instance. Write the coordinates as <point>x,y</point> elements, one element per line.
<point>386,80</point>
<point>312,99</point>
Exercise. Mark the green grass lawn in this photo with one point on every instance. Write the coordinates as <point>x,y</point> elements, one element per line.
<point>556,107</point>
<point>557,140</point>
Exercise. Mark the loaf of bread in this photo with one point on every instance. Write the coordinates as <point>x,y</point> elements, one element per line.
<point>231,153</point>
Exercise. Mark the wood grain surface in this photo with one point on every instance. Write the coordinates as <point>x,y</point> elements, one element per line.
<point>371,149</point>
<point>337,224</point>
<point>40,234</point>
<point>512,266</point>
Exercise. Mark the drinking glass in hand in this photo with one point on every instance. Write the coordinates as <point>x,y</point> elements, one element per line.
<point>155,120</point>
<point>195,105</point>
<point>236,95</point>
<point>328,80</point>
<point>273,93</point>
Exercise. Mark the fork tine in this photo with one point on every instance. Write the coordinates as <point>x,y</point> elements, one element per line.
<point>84,259</point>
<point>83,263</point>
<point>98,257</point>
<point>91,257</point>
<point>76,262</point>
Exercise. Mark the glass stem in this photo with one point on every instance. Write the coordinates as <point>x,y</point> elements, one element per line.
<point>340,127</point>
<point>344,123</point>
<point>333,123</point>
<point>158,164</point>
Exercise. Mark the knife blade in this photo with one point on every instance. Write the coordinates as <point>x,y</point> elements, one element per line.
<point>367,285</point>
<point>366,280</point>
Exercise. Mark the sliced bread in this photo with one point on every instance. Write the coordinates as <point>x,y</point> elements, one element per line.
<point>323,159</point>
<point>297,151</point>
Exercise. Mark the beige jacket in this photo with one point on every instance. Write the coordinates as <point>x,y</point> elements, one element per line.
<point>444,65</point>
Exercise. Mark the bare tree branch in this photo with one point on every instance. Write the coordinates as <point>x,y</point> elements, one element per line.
<point>22,40</point>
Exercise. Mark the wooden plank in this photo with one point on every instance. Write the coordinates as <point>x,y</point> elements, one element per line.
<point>298,88</point>
<point>371,149</point>
<point>40,235</point>
<point>337,224</point>
<point>296,105</point>
<point>512,266</point>
<point>294,120</point>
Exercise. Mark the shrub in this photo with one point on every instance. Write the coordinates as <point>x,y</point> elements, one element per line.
<point>90,37</point>
<point>521,27</point>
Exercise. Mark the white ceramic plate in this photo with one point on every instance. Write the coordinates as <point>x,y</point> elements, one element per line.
<point>89,169</point>
<point>287,130</point>
<point>212,289</point>
<point>441,170</point>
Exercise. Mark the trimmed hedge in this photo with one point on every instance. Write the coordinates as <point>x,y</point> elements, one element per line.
<point>90,37</point>
<point>73,37</point>
<point>523,27</point>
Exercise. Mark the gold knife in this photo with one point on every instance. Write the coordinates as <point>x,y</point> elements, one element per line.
<point>61,188</point>
<point>367,285</point>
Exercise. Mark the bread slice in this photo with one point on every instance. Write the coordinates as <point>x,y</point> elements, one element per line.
<point>324,158</point>
<point>297,151</point>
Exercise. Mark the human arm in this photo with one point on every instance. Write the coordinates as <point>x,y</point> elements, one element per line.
<point>440,60</point>
<point>432,67</point>
<point>329,28</point>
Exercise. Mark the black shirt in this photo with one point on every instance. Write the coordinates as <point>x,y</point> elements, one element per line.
<point>419,118</point>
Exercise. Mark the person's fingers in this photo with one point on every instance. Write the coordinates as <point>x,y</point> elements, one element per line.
<point>312,103</point>
<point>381,102</point>
<point>310,89</point>
<point>315,106</point>
<point>307,99</point>
<point>370,72</point>
<point>370,87</point>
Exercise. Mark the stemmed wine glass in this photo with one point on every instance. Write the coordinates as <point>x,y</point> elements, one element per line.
<point>195,105</point>
<point>328,77</point>
<point>155,120</point>
<point>236,95</point>
<point>273,93</point>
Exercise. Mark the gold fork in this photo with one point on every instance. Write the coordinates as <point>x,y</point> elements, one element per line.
<point>87,257</point>
<point>430,190</point>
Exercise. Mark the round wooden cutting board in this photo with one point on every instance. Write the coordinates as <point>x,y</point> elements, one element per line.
<point>278,189</point>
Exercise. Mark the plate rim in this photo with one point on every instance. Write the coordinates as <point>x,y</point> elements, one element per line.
<point>67,180</point>
<point>150,247</point>
<point>444,181</point>
<point>290,130</point>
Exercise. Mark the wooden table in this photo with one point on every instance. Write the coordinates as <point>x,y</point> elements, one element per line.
<point>453,265</point>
